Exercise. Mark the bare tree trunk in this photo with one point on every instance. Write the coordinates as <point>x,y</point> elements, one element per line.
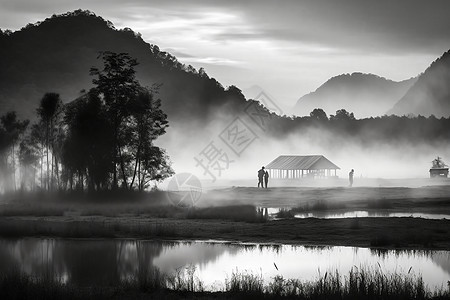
<point>122,167</point>
<point>115,156</point>
<point>135,165</point>
<point>42,163</point>
<point>46,142</point>
<point>142,181</point>
<point>33,185</point>
<point>139,175</point>
<point>14,168</point>
<point>57,172</point>
<point>53,154</point>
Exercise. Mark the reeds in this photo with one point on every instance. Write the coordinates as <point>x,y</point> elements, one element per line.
<point>358,283</point>
<point>184,279</point>
<point>245,283</point>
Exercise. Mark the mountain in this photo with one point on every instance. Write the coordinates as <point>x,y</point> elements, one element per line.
<point>365,95</point>
<point>431,92</point>
<point>56,55</point>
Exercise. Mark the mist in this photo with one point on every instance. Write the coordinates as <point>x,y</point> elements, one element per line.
<point>126,172</point>
<point>377,159</point>
<point>366,95</point>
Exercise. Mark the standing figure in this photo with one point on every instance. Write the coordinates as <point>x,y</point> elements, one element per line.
<point>266,178</point>
<point>261,177</point>
<point>350,177</point>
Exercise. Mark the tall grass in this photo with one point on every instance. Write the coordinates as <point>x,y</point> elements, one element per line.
<point>146,280</point>
<point>151,204</point>
<point>358,283</point>
<point>184,279</point>
<point>245,283</point>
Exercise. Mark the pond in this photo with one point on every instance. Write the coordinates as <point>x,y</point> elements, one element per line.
<point>105,262</point>
<point>271,214</point>
<point>366,214</point>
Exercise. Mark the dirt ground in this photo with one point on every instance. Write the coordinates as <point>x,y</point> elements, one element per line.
<point>300,196</point>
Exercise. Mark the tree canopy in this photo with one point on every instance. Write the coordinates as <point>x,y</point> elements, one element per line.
<point>102,140</point>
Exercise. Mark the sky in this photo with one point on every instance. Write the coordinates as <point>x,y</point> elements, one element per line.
<point>288,48</point>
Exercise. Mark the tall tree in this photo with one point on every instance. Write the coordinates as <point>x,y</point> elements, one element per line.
<point>147,123</point>
<point>29,160</point>
<point>88,149</point>
<point>117,85</point>
<point>154,166</point>
<point>13,129</point>
<point>37,137</point>
<point>4,168</point>
<point>136,119</point>
<point>50,113</point>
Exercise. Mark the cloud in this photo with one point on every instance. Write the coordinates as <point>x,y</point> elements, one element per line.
<point>375,26</point>
<point>179,53</point>
<point>211,60</point>
<point>286,44</point>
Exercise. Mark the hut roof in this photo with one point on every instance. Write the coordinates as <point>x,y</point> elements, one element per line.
<point>298,162</point>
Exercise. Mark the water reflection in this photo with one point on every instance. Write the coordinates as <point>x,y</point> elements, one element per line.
<point>105,262</point>
<point>272,212</point>
<point>365,214</point>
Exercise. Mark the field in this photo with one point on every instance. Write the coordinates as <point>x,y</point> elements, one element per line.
<point>230,214</point>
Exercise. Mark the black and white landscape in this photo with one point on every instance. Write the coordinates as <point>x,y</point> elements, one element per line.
<point>255,149</point>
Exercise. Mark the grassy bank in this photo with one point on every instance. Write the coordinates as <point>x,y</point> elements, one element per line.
<point>389,233</point>
<point>359,283</point>
<point>231,214</point>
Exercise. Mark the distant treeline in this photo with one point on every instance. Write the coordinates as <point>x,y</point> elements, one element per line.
<point>344,127</point>
<point>103,140</point>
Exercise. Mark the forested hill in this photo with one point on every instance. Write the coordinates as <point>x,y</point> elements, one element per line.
<point>56,55</point>
<point>430,95</point>
<point>367,95</point>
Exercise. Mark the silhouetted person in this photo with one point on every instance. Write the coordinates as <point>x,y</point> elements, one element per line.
<point>350,177</point>
<point>266,178</point>
<point>261,177</point>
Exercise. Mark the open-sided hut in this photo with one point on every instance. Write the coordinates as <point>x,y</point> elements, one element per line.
<point>299,166</point>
